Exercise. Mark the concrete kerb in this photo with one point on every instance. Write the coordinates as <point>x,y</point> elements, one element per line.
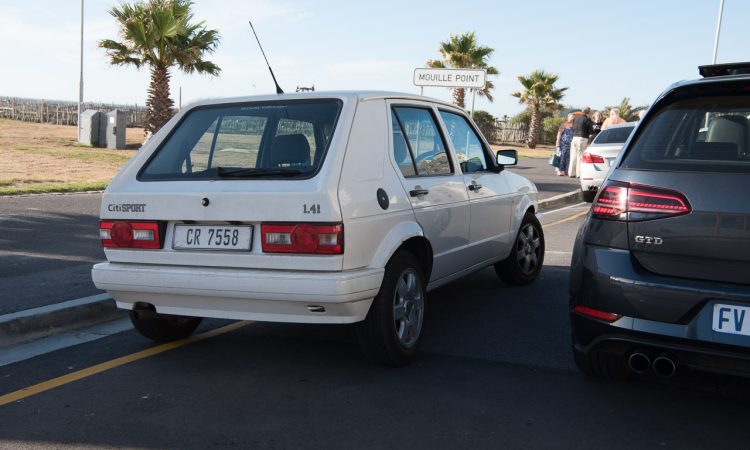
<point>562,199</point>
<point>35,323</point>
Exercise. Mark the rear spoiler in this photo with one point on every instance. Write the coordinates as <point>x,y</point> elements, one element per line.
<point>720,70</point>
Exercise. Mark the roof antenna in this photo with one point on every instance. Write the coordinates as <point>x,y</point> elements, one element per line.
<point>278,88</point>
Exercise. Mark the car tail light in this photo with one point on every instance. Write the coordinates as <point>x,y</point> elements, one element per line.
<point>124,234</point>
<point>596,314</point>
<point>326,239</point>
<point>587,157</point>
<point>632,202</point>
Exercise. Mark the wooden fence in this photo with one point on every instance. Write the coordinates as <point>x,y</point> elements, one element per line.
<point>517,132</point>
<point>62,113</point>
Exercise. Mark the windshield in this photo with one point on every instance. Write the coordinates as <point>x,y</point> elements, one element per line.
<point>253,140</point>
<point>614,135</point>
<point>704,134</point>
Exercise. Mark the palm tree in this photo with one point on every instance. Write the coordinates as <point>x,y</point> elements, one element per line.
<point>462,52</point>
<point>539,94</point>
<point>628,112</point>
<point>159,34</point>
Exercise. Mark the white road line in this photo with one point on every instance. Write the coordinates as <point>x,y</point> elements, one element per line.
<point>566,207</point>
<point>54,307</point>
<point>50,344</point>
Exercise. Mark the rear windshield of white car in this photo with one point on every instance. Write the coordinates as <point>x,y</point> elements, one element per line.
<point>613,135</point>
<point>284,139</point>
<point>704,134</point>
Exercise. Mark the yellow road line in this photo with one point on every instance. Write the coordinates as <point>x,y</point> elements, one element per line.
<point>567,219</point>
<point>99,368</point>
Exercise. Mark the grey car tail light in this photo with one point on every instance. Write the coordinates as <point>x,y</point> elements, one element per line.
<point>632,202</point>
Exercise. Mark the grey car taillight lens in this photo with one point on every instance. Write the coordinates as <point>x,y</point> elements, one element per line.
<point>631,202</point>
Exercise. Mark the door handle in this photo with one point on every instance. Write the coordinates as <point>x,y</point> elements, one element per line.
<point>474,186</point>
<point>417,192</point>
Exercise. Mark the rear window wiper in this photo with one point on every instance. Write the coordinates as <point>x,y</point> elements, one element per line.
<point>226,172</point>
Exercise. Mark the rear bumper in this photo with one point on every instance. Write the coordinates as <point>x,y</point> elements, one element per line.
<point>621,339</point>
<point>660,314</point>
<point>243,294</point>
<point>591,180</point>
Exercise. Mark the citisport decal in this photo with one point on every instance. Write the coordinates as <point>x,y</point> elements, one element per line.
<point>127,207</point>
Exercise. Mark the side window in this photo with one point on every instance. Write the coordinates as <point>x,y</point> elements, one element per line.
<point>418,146</point>
<point>468,146</point>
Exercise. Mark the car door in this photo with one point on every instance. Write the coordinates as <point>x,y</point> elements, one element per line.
<point>436,190</point>
<point>490,199</point>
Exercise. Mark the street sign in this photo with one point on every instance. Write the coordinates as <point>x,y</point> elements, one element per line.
<point>465,78</point>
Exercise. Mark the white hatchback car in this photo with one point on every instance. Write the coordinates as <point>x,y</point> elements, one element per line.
<point>600,155</point>
<point>336,207</point>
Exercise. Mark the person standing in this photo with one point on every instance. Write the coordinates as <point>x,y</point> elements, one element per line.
<point>613,119</point>
<point>564,137</point>
<point>582,129</point>
<point>596,120</point>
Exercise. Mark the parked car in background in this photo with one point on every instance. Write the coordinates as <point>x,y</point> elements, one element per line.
<point>597,159</point>
<point>317,208</point>
<point>660,273</point>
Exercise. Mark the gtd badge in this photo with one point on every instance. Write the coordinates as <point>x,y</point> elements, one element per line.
<point>649,240</point>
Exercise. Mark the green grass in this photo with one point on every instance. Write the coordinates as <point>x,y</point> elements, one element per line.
<point>46,188</point>
<point>96,156</point>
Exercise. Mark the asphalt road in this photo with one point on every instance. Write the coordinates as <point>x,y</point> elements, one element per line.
<point>543,175</point>
<point>494,371</point>
<point>48,243</point>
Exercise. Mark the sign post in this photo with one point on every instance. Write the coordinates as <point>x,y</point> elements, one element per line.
<point>474,79</point>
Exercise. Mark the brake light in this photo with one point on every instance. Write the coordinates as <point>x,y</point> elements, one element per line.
<point>326,239</point>
<point>587,157</point>
<point>124,234</point>
<point>596,314</point>
<point>631,202</point>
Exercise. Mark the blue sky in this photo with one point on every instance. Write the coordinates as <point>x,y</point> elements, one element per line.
<point>603,51</point>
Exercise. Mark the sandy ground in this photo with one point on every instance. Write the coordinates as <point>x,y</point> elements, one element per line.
<point>41,153</point>
<point>33,154</point>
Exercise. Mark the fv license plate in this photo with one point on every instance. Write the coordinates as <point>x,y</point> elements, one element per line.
<point>212,237</point>
<point>731,319</point>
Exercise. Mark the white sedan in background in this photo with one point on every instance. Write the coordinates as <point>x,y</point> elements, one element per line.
<point>600,155</point>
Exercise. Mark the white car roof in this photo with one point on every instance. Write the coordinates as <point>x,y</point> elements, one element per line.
<point>624,124</point>
<point>351,95</point>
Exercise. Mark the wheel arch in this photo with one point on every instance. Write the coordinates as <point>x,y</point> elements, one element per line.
<point>525,205</point>
<point>407,236</point>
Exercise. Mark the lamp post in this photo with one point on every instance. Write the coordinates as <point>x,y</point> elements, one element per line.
<point>80,82</point>
<point>718,30</point>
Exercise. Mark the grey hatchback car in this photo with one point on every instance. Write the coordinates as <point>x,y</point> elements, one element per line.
<point>660,275</point>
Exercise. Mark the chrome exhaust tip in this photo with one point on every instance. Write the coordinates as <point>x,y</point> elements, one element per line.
<point>639,362</point>
<point>664,366</point>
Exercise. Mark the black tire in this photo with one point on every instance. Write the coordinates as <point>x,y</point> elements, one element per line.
<point>162,327</point>
<point>588,196</point>
<point>526,258</point>
<point>384,337</point>
<point>601,365</point>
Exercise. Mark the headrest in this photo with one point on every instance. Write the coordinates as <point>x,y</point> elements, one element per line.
<point>290,149</point>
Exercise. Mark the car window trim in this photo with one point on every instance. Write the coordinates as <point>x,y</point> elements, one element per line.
<point>335,123</point>
<point>491,162</point>
<point>439,127</point>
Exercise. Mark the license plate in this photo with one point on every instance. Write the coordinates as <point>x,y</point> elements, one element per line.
<point>212,237</point>
<point>731,319</point>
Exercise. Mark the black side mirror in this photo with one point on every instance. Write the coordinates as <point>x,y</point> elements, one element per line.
<point>506,157</point>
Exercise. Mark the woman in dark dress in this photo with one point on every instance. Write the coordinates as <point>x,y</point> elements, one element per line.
<point>564,138</point>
